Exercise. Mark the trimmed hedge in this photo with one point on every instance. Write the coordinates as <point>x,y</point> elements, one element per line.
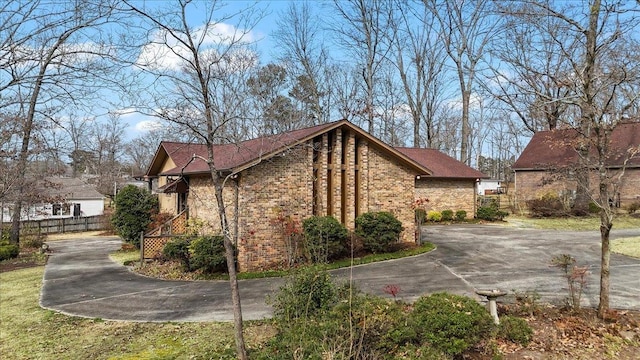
<point>325,238</point>
<point>379,230</point>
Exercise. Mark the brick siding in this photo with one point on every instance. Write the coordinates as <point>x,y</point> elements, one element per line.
<point>447,194</point>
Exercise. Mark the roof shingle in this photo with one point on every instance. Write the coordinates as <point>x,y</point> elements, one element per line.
<point>556,148</point>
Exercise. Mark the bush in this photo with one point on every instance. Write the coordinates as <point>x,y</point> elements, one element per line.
<point>434,215</point>
<point>134,208</point>
<point>515,329</point>
<point>9,251</point>
<point>461,215</point>
<point>548,205</point>
<point>491,212</point>
<point>324,238</point>
<point>451,323</point>
<point>317,319</point>
<point>306,293</point>
<point>379,326</point>
<point>593,208</point>
<point>178,249</point>
<point>447,215</point>
<point>379,230</point>
<point>633,207</point>
<point>207,254</point>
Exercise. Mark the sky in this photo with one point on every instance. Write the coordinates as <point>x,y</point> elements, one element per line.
<point>262,34</point>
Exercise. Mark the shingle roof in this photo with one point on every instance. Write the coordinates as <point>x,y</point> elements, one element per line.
<point>556,148</point>
<point>231,156</point>
<point>71,189</point>
<point>235,157</point>
<point>441,164</point>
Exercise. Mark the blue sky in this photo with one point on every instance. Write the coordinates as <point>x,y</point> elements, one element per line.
<point>261,34</point>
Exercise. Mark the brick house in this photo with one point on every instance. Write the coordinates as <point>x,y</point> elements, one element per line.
<point>547,165</point>
<point>333,169</point>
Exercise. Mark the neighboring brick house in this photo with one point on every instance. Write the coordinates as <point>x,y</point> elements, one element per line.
<point>333,169</point>
<point>547,165</point>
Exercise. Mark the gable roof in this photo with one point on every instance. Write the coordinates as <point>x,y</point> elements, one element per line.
<point>70,189</point>
<point>237,157</point>
<point>441,164</point>
<point>555,148</point>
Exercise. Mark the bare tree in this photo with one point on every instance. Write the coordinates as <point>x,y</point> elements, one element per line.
<point>466,29</point>
<point>106,146</point>
<point>361,31</point>
<point>53,56</point>
<point>200,67</point>
<point>299,38</point>
<point>604,80</point>
<point>531,73</point>
<point>420,59</point>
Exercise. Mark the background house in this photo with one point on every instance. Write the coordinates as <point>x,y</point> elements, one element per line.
<point>547,165</point>
<point>60,198</point>
<point>333,169</point>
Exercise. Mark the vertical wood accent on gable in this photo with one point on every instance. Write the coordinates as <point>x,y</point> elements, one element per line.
<point>356,177</point>
<point>363,174</point>
<point>322,189</point>
<point>350,190</point>
<point>331,154</point>
<point>344,167</point>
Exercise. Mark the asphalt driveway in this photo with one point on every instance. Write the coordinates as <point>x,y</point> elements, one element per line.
<point>81,280</point>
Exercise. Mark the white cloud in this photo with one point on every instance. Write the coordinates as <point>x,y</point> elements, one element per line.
<point>147,125</point>
<point>166,52</point>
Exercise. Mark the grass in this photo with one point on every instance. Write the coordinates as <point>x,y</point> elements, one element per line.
<point>627,246</point>
<point>30,332</point>
<point>591,223</point>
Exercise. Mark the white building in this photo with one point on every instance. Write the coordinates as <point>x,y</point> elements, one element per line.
<point>71,197</point>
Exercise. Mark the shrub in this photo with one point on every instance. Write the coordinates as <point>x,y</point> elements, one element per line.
<point>633,207</point>
<point>207,254</point>
<point>451,323</point>
<point>379,326</point>
<point>515,329</point>
<point>461,215</point>
<point>134,208</point>
<point>379,230</point>
<point>593,208</point>
<point>9,251</point>
<point>434,216</point>
<point>447,215</point>
<point>178,249</point>
<point>549,205</point>
<point>324,238</point>
<point>307,292</point>
<point>490,212</point>
<point>31,238</point>
<point>341,323</point>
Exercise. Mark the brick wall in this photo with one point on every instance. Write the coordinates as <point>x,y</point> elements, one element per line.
<point>534,184</point>
<point>286,183</point>
<point>389,187</point>
<point>281,183</point>
<point>449,194</point>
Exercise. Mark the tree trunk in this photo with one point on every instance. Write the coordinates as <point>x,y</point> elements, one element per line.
<point>229,253</point>
<point>464,132</point>
<point>605,229</point>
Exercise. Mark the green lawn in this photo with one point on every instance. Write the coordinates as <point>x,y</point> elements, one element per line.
<point>627,246</point>
<point>573,223</point>
<point>30,332</point>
